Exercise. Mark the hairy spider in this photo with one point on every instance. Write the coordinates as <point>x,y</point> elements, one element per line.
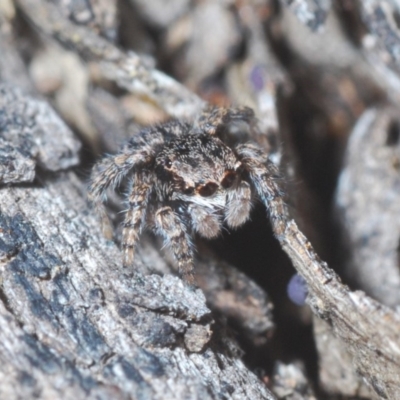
<point>185,179</point>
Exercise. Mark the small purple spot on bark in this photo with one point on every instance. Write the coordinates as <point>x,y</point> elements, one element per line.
<point>257,77</point>
<point>297,290</point>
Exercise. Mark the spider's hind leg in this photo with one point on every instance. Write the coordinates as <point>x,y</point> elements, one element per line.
<point>231,124</point>
<point>214,117</point>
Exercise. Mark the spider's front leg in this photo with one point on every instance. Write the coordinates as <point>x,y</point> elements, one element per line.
<point>111,170</point>
<point>264,176</point>
<point>135,216</point>
<point>170,226</point>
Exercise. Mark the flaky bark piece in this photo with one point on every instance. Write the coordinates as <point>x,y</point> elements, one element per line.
<point>31,135</point>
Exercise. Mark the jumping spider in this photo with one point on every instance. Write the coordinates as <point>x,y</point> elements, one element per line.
<point>185,179</point>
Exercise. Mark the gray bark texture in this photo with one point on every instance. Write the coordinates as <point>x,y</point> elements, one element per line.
<point>76,325</point>
<point>78,78</point>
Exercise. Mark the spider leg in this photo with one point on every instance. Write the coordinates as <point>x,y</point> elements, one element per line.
<point>170,226</point>
<point>109,172</point>
<point>214,120</point>
<point>135,217</point>
<point>264,175</point>
<point>238,205</point>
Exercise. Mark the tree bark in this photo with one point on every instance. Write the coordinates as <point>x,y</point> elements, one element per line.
<point>75,324</point>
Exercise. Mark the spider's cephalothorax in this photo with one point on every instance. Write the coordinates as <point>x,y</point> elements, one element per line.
<point>185,179</point>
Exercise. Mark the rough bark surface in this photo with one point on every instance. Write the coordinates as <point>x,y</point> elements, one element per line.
<point>75,324</point>
<point>31,135</point>
<point>310,12</point>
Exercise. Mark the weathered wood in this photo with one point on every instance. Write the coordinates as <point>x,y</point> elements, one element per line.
<point>127,69</point>
<point>289,382</point>
<point>336,369</point>
<point>368,329</point>
<point>31,135</point>
<point>77,325</point>
<point>310,12</point>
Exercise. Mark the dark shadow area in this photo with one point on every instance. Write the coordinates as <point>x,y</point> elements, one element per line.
<point>255,251</point>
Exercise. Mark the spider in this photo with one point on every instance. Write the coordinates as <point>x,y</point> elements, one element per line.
<point>185,179</point>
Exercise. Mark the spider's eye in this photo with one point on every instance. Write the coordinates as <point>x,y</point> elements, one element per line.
<point>188,190</point>
<point>208,189</point>
<point>167,163</point>
<point>228,179</point>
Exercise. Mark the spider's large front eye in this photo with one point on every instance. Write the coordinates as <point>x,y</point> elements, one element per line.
<point>208,189</point>
<point>228,179</point>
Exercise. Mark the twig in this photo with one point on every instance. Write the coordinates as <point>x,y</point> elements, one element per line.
<point>127,69</point>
